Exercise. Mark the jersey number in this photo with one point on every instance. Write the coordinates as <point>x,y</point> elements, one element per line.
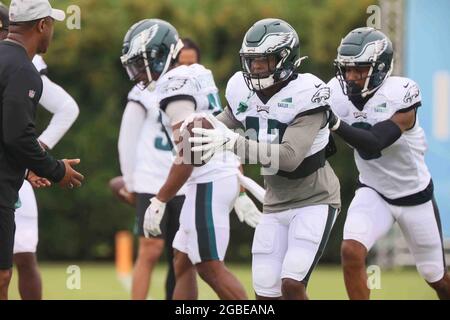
<point>160,144</point>
<point>273,127</point>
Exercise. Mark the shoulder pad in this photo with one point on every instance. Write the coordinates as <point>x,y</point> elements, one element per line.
<point>309,93</point>
<point>143,97</point>
<point>339,102</point>
<point>334,85</point>
<point>401,92</point>
<point>176,82</point>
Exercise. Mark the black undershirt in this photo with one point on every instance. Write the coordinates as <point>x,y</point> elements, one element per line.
<point>359,102</point>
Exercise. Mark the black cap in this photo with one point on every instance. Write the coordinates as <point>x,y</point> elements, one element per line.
<point>4,17</point>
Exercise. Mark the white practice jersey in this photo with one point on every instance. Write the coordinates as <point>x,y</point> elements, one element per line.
<point>154,149</point>
<point>301,96</point>
<point>197,82</point>
<point>400,169</point>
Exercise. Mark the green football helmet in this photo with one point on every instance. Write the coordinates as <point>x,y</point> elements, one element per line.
<point>150,47</point>
<point>364,47</point>
<point>275,43</point>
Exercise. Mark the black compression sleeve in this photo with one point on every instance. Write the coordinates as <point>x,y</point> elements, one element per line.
<point>372,140</point>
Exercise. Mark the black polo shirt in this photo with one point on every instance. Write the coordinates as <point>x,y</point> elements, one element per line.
<point>20,89</point>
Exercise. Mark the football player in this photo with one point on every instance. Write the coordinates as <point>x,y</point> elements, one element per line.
<point>376,114</point>
<point>146,154</point>
<point>65,111</point>
<point>283,113</point>
<point>211,189</point>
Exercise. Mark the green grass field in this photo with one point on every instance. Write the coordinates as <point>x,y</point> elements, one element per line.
<point>99,281</point>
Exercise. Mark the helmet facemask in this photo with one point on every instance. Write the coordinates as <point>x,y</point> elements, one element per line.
<point>146,64</point>
<point>263,70</point>
<point>378,70</point>
<point>376,76</point>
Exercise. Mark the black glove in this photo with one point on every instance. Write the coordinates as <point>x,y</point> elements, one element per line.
<point>333,120</point>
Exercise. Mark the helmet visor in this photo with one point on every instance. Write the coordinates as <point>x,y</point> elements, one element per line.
<point>259,66</point>
<point>136,70</point>
<point>157,57</point>
<point>353,77</point>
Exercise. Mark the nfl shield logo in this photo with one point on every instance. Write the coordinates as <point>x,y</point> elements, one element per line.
<point>31,93</point>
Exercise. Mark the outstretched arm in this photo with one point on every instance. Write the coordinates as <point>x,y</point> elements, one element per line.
<point>378,137</point>
<point>287,156</point>
<point>297,141</point>
<point>180,171</point>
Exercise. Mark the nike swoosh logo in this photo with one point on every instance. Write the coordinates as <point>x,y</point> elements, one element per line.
<point>406,85</point>
<point>317,85</point>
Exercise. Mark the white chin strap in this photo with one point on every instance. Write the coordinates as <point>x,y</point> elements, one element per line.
<point>151,82</point>
<point>263,83</point>
<point>174,50</point>
<point>151,86</point>
<point>299,61</point>
<point>173,53</point>
<point>367,92</point>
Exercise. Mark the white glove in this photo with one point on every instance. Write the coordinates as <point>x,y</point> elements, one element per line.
<point>213,139</point>
<point>251,186</point>
<point>153,216</point>
<point>246,210</point>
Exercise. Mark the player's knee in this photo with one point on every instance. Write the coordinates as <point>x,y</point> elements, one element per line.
<point>181,264</point>
<point>210,272</point>
<point>207,273</point>
<point>149,256</point>
<point>353,252</point>
<point>178,261</point>
<point>433,273</point>
<point>150,250</point>
<point>291,287</point>
<point>5,277</point>
<point>442,285</point>
<point>298,263</point>
<point>25,261</point>
<point>266,280</point>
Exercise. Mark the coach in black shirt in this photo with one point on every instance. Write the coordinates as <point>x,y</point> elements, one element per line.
<point>30,33</point>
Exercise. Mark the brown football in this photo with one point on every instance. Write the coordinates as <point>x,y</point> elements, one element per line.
<point>190,156</point>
